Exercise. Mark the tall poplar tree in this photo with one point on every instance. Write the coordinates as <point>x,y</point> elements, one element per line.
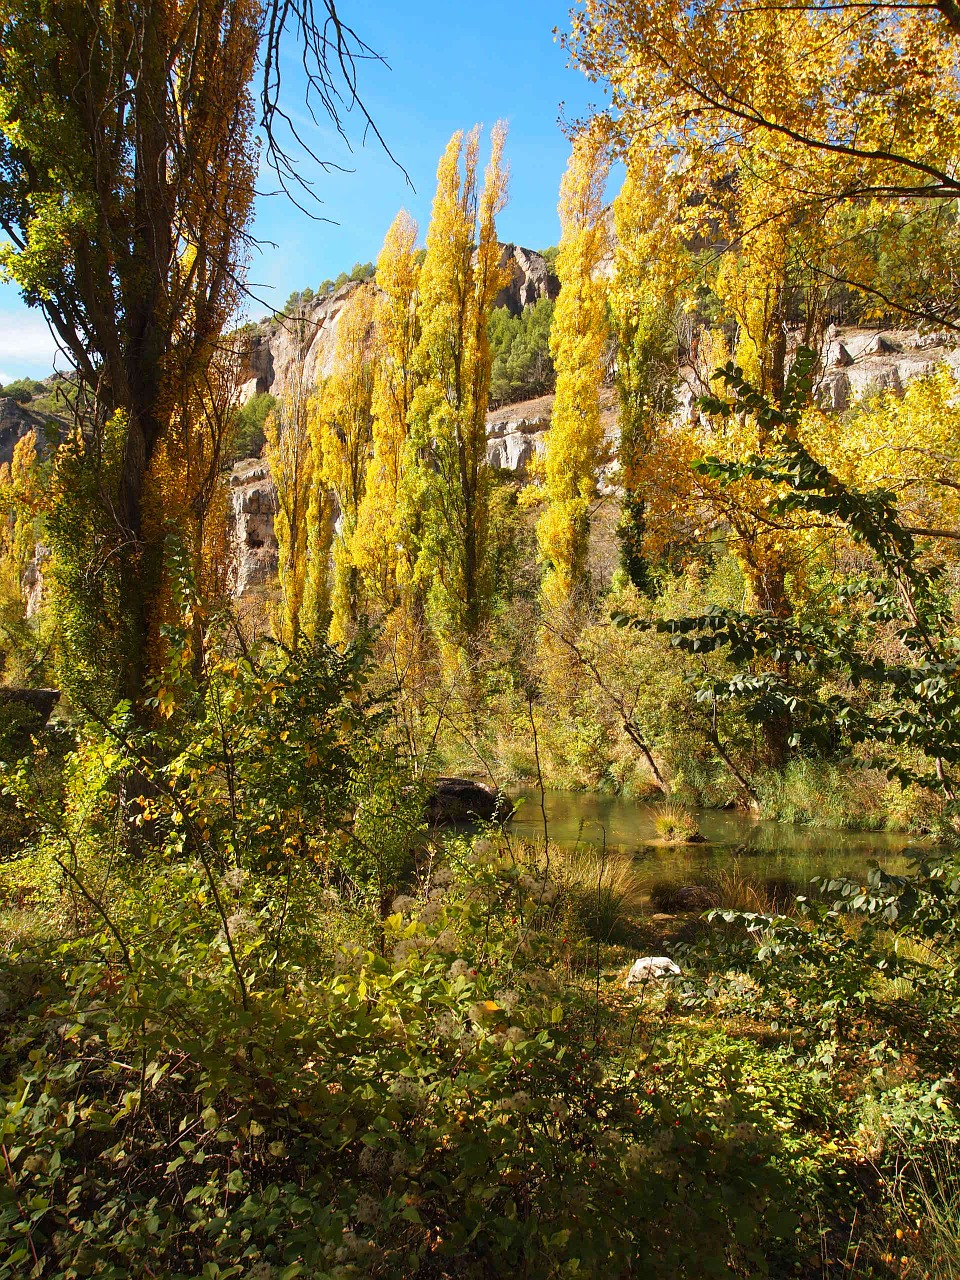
<point>644,299</point>
<point>127,164</point>
<point>383,559</point>
<point>447,479</point>
<point>295,466</point>
<point>342,424</point>
<point>578,343</point>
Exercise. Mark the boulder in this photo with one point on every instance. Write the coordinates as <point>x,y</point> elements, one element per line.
<point>652,969</point>
<point>455,800</point>
<point>838,357</point>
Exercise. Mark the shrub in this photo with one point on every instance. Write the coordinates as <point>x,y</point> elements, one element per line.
<point>436,1104</point>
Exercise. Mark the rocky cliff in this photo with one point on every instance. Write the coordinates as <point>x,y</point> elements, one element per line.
<point>855,362</point>
<point>253,505</point>
<point>275,353</point>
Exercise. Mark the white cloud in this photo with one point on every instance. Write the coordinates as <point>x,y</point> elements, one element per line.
<point>26,345</point>
<point>5,378</point>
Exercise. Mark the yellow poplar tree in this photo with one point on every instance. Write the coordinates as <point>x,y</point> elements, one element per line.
<point>447,480</point>
<point>341,432</point>
<point>578,340</point>
<point>651,270</point>
<point>22,499</point>
<point>382,560</point>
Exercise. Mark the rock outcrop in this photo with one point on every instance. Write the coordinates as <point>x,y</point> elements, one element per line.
<point>31,580</point>
<point>515,434</point>
<point>253,505</point>
<point>531,278</point>
<point>287,352</point>
<point>859,361</point>
<point>17,419</point>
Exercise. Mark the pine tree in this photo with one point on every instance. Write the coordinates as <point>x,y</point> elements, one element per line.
<point>578,342</point>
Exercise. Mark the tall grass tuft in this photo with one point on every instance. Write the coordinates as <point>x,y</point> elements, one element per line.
<point>923,1217</point>
<point>675,823</point>
<point>602,890</point>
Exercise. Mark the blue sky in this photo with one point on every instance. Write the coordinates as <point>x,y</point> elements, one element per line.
<point>451,66</point>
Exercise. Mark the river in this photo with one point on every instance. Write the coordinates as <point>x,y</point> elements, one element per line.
<point>769,851</point>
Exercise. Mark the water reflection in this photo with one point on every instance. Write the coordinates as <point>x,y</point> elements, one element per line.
<point>777,851</point>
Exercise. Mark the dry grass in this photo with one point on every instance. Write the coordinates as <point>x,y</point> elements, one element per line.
<point>736,890</point>
<point>601,889</point>
<point>920,1235</point>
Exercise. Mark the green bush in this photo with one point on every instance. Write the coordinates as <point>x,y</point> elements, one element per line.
<point>435,1103</point>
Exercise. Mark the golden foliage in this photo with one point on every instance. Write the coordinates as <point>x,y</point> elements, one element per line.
<point>295,469</point>
<point>382,559</point>
<point>446,485</point>
<point>340,432</point>
<point>578,340</point>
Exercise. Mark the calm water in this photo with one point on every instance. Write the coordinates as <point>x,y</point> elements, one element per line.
<point>768,850</point>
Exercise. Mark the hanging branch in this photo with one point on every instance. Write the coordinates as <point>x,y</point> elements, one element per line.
<point>329,52</point>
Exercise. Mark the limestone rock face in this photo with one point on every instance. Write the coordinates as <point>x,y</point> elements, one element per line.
<point>515,434</point>
<point>885,361</point>
<point>31,581</point>
<point>531,278</point>
<point>286,352</point>
<point>256,375</point>
<point>279,353</point>
<point>253,505</point>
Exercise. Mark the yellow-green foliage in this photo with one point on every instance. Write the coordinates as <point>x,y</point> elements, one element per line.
<point>383,561</point>
<point>340,432</point>
<point>675,823</point>
<point>304,520</point>
<point>447,478</point>
<point>578,339</point>
<point>21,504</point>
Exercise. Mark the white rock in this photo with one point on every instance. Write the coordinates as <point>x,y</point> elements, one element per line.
<point>652,969</point>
